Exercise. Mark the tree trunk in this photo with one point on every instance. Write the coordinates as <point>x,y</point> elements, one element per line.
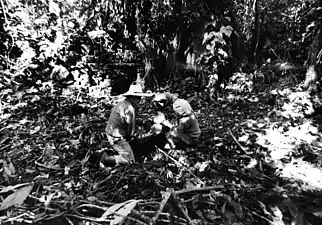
<point>256,32</point>
<point>314,61</point>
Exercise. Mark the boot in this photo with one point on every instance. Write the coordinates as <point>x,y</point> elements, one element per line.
<point>107,160</point>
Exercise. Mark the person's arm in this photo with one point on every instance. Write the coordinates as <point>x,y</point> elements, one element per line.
<point>129,119</point>
<point>183,125</point>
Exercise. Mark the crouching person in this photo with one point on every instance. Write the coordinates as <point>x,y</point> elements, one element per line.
<point>120,127</point>
<point>187,132</point>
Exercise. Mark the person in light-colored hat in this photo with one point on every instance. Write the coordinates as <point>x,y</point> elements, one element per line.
<point>120,127</point>
<point>187,131</point>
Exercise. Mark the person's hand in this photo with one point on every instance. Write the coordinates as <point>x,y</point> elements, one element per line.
<point>167,124</point>
<point>159,118</point>
<point>156,129</point>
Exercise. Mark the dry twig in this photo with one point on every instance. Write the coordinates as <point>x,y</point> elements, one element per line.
<point>48,167</point>
<point>239,145</point>
<point>165,199</point>
<point>177,162</point>
<point>141,216</point>
<point>200,189</point>
<point>179,207</point>
<point>167,215</point>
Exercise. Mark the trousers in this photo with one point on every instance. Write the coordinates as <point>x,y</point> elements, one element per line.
<point>183,138</point>
<point>124,149</point>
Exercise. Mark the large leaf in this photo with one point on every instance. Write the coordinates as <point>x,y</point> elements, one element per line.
<point>123,212</point>
<point>16,198</point>
<point>226,30</point>
<point>120,211</point>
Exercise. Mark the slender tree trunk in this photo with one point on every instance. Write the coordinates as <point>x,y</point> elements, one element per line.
<point>256,32</point>
<point>314,61</point>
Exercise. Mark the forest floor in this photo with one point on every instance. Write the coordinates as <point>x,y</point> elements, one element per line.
<point>259,163</point>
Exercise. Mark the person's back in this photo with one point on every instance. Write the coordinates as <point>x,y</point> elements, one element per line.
<point>117,125</point>
<point>188,127</point>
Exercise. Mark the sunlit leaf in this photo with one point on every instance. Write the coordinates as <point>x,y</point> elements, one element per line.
<point>16,198</point>
<point>121,210</point>
<point>227,30</point>
<point>35,130</point>
<point>48,152</point>
<point>46,199</point>
<point>11,168</point>
<point>252,163</point>
<point>263,207</point>
<point>54,8</point>
<point>243,138</point>
<point>96,33</point>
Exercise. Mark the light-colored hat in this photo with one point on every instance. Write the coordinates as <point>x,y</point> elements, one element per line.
<point>182,107</point>
<point>136,90</point>
<point>162,98</point>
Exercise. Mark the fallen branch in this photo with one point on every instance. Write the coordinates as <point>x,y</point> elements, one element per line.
<point>239,145</point>
<point>12,219</point>
<point>98,201</point>
<point>4,12</point>
<point>94,219</point>
<point>177,162</point>
<point>256,214</point>
<point>179,207</point>
<point>132,219</point>
<point>176,222</point>
<point>87,218</point>
<point>148,203</point>
<point>165,199</point>
<point>141,216</point>
<point>167,215</point>
<point>93,206</point>
<point>48,167</point>
<point>200,189</point>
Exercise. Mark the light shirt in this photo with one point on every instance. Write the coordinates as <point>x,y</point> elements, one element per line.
<point>121,123</point>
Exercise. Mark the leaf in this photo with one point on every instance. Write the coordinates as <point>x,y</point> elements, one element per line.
<point>35,130</point>
<point>223,53</point>
<point>227,30</point>
<point>46,199</point>
<point>120,211</point>
<point>11,168</point>
<point>8,169</point>
<point>11,188</point>
<point>252,163</point>
<point>124,211</point>
<point>243,138</point>
<point>74,142</point>
<point>54,8</point>
<point>16,198</point>
<point>237,209</point>
<point>48,153</point>
<point>159,118</point>
<point>96,34</point>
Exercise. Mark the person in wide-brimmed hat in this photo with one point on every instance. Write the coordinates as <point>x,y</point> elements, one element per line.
<point>187,131</point>
<point>120,127</point>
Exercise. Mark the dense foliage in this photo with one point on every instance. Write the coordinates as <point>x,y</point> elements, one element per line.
<point>159,40</point>
<point>240,64</point>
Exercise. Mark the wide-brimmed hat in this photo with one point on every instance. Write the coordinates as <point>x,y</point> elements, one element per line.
<point>136,90</point>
